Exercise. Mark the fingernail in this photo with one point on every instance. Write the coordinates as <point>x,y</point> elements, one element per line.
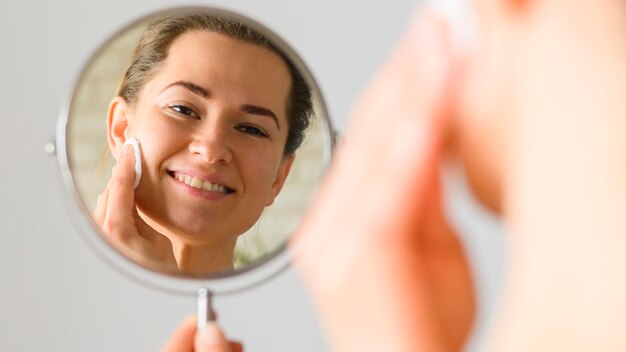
<point>211,335</point>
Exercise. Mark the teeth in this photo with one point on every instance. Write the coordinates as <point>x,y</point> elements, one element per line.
<point>208,186</point>
<point>198,183</point>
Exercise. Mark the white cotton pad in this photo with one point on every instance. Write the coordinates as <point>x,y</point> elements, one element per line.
<point>135,143</point>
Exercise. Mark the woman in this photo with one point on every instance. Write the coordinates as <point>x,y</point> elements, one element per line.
<point>218,111</point>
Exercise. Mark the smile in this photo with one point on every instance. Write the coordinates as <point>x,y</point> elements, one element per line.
<point>200,184</point>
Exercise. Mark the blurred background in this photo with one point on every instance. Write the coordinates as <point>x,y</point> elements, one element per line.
<point>56,294</point>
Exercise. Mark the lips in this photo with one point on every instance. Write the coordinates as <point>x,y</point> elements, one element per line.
<point>196,182</point>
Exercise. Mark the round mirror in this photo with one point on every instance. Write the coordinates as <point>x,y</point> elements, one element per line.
<point>231,140</point>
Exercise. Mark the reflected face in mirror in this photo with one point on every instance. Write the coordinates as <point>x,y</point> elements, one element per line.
<point>218,116</point>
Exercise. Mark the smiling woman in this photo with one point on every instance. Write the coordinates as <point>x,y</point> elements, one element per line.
<point>219,112</point>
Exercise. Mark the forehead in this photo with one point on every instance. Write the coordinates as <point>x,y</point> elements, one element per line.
<point>228,67</point>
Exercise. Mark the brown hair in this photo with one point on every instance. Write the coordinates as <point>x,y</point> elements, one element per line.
<point>159,35</point>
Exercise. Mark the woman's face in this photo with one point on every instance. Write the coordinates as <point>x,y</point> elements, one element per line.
<point>212,126</point>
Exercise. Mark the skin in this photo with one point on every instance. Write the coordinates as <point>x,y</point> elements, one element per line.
<point>211,339</point>
<point>564,185</point>
<point>215,110</point>
<point>536,114</point>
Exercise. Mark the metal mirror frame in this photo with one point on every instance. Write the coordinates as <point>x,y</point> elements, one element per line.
<point>263,268</point>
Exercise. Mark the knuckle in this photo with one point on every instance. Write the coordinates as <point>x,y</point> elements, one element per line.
<point>115,231</point>
<point>119,183</point>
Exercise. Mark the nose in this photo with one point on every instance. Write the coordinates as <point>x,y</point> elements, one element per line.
<point>211,144</point>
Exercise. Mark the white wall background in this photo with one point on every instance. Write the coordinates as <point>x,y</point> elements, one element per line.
<point>55,294</point>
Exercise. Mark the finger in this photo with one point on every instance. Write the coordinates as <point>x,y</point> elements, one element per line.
<point>183,338</point>
<point>121,197</point>
<point>211,339</point>
<point>449,277</point>
<point>99,212</point>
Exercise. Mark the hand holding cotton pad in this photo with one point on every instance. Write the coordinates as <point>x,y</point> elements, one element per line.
<point>135,143</point>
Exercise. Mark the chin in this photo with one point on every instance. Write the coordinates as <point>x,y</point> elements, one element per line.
<point>205,227</point>
<point>480,151</point>
<point>485,186</point>
<point>193,226</point>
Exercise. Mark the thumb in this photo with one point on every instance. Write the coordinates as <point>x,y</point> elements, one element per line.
<point>211,339</point>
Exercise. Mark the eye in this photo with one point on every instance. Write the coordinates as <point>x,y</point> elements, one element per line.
<point>184,110</point>
<point>252,130</point>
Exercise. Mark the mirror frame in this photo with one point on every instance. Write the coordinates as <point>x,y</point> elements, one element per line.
<point>264,267</point>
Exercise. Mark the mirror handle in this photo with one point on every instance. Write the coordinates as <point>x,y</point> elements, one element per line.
<point>205,308</point>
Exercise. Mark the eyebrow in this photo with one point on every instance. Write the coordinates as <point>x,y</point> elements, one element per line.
<point>258,110</point>
<point>248,108</point>
<point>194,88</point>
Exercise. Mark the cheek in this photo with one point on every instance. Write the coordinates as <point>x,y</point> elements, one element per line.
<point>260,172</point>
<point>158,140</point>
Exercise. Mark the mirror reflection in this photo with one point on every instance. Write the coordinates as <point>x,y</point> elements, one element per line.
<point>230,143</point>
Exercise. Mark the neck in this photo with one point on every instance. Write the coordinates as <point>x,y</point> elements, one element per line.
<point>197,254</point>
<point>196,257</point>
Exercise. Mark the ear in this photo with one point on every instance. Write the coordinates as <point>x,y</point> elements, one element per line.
<point>117,124</point>
<point>281,177</point>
